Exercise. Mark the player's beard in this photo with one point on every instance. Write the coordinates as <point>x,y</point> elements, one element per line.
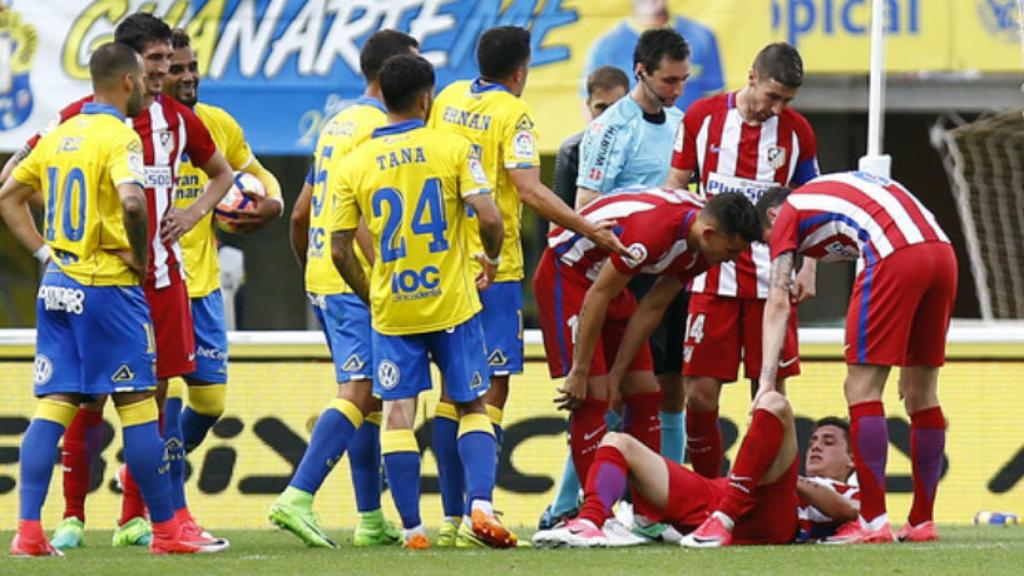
<point>135,101</point>
<point>193,98</point>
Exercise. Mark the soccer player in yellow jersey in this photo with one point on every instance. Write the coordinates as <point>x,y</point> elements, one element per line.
<point>90,171</point>
<point>207,384</point>
<point>490,112</point>
<point>413,186</point>
<point>351,423</point>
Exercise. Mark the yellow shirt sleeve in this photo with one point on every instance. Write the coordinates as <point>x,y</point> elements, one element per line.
<point>472,176</point>
<point>236,150</point>
<point>27,171</point>
<point>519,138</point>
<point>344,208</point>
<point>124,163</point>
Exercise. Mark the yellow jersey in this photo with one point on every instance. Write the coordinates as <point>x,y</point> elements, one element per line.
<point>501,125</point>
<point>202,268</point>
<point>342,133</point>
<point>408,183</point>
<point>78,167</point>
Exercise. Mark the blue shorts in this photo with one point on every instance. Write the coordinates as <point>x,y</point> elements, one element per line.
<point>502,319</point>
<point>92,340</point>
<point>211,334</point>
<point>346,324</point>
<point>402,362</point>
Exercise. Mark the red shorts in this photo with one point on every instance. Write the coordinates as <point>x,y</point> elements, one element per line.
<point>172,323</point>
<point>692,498</point>
<point>559,293</point>
<point>719,328</point>
<point>900,308</point>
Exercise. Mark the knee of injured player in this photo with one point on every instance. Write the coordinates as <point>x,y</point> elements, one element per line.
<point>775,403</point>
<point>702,393</point>
<point>360,393</point>
<point>621,441</point>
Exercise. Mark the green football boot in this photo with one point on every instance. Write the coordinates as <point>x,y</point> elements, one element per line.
<point>69,534</point>
<point>448,533</point>
<point>374,530</point>
<point>135,532</point>
<point>293,511</point>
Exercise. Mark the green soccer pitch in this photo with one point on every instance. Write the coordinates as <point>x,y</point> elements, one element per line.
<point>985,550</point>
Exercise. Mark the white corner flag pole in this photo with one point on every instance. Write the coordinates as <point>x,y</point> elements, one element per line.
<point>875,162</point>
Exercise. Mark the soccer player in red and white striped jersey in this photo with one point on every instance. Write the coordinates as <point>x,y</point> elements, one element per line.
<point>745,142</point>
<point>898,315</point>
<point>585,307</point>
<point>167,129</point>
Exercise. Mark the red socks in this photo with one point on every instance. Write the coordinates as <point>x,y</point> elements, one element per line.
<point>704,442</point>
<point>604,486</point>
<point>869,439</point>
<point>586,429</point>
<point>76,458</point>
<point>760,447</point>
<point>641,418</point>
<point>927,445</point>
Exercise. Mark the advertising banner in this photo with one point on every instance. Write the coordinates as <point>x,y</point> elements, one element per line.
<point>282,67</point>
<point>252,452</point>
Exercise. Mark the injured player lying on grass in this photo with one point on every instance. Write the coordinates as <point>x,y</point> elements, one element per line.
<point>763,501</point>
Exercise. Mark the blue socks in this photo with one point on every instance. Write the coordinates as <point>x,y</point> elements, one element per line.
<point>451,475</point>
<point>402,465</point>
<point>673,435</point>
<point>479,454</point>
<point>331,436</point>
<point>365,460</point>
<point>175,446</point>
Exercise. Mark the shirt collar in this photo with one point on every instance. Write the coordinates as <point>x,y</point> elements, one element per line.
<point>371,101</point>
<point>478,87</point>
<point>97,108</point>
<point>398,128</point>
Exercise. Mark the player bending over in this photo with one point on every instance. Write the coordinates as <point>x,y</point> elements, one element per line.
<point>898,315</point>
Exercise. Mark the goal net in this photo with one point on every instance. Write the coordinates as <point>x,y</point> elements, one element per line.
<point>984,161</point>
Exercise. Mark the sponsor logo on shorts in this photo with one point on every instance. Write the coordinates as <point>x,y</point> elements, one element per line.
<point>476,382</point>
<point>353,364</point>
<point>123,374</point>
<point>42,370</point>
<point>61,299</point>
<point>497,358</point>
<point>787,363</point>
<point>211,353</point>
<point>388,375</point>
<point>588,436</point>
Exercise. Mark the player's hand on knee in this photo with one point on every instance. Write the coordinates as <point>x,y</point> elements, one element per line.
<point>573,392</point>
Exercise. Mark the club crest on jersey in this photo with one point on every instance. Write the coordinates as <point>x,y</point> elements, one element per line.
<point>388,375</point>
<point>776,157</point>
<point>497,358</point>
<point>123,374</point>
<point>166,138</point>
<point>353,364</point>
<point>42,370</point>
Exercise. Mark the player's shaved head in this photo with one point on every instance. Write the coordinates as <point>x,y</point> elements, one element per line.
<point>140,29</point>
<point>501,51</point>
<point>734,215</point>
<point>403,79</point>
<point>781,62</point>
<point>382,45</point>
<point>110,63</point>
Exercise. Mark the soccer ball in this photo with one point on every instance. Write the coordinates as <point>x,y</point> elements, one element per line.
<point>236,200</point>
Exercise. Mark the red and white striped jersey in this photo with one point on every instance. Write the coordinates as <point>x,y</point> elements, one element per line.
<point>652,222</point>
<point>167,128</point>
<point>729,155</point>
<point>814,524</point>
<point>852,215</point>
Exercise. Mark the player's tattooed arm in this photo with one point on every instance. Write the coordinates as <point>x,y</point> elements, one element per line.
<point>826,500</point>
<point>776,318</point>
<point>136,225</point>
<point>12,162</point>
<point>343,252</point>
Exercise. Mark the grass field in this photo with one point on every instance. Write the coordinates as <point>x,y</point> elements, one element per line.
<point>963,550</point>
